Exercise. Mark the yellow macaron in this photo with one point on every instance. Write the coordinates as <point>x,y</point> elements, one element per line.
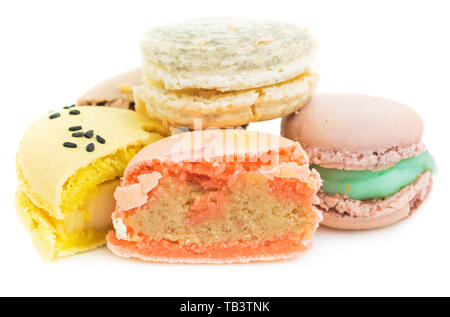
<point>68,165</point>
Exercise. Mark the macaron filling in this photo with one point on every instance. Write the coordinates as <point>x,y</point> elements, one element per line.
<point>364,185</point>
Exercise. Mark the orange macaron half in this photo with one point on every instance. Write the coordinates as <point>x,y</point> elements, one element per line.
<point>216,196</point>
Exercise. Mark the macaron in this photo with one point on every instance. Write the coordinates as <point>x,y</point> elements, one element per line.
<point>69,163</point>
<point>216,196</point>
<point>369,152</point>
<point>113,92</point>
<point>226,72</point>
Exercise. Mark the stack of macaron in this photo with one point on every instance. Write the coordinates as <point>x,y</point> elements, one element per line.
<point>220,73</point>
<point>216,194</point>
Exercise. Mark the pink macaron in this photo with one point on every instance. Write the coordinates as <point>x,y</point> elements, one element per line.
<point>368,150</point>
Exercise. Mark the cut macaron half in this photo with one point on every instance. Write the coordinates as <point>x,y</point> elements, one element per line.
<point>216,196</point>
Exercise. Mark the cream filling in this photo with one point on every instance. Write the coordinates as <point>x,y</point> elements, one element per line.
<point>97,210</point>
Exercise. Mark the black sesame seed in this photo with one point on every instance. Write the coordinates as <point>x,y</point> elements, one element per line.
<point>55,115</point>
<point>90,147</point>
<point>70,145</point>
<point>131,106</point>
<point>100,139</point>
<point>89,134</point>
<point>75,128</point>
<point>74,112</point>
<point>101,103</point>
<point>78,134</point>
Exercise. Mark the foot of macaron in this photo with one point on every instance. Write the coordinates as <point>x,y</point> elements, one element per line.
<point>369,153</point>
<point>216,196</point>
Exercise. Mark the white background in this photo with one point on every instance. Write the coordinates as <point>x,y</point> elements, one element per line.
<point>51,52</point>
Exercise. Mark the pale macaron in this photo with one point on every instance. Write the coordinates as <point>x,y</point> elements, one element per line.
<point>226,53</point>
<point>113,92</point>
<point>226,72</point>
<point>365,143</point>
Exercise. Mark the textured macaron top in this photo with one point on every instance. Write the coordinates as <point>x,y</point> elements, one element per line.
<point>226,53</point>
<point>58,144</point>
<point>348,131</point>
<point>218,144</point>
<point>354,122</point>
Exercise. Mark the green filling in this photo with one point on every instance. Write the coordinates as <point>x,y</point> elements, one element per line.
<point>362,185</point>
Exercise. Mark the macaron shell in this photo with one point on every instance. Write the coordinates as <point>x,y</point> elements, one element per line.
<point>210,144</point>
<point>353,122</point>
<point>226,53</point>
<point>361,223</point>
<point>376,213</point>
<point>115,91</point>
<point>46,164</point>
<point>219,253</point>
<point>224,109</point>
